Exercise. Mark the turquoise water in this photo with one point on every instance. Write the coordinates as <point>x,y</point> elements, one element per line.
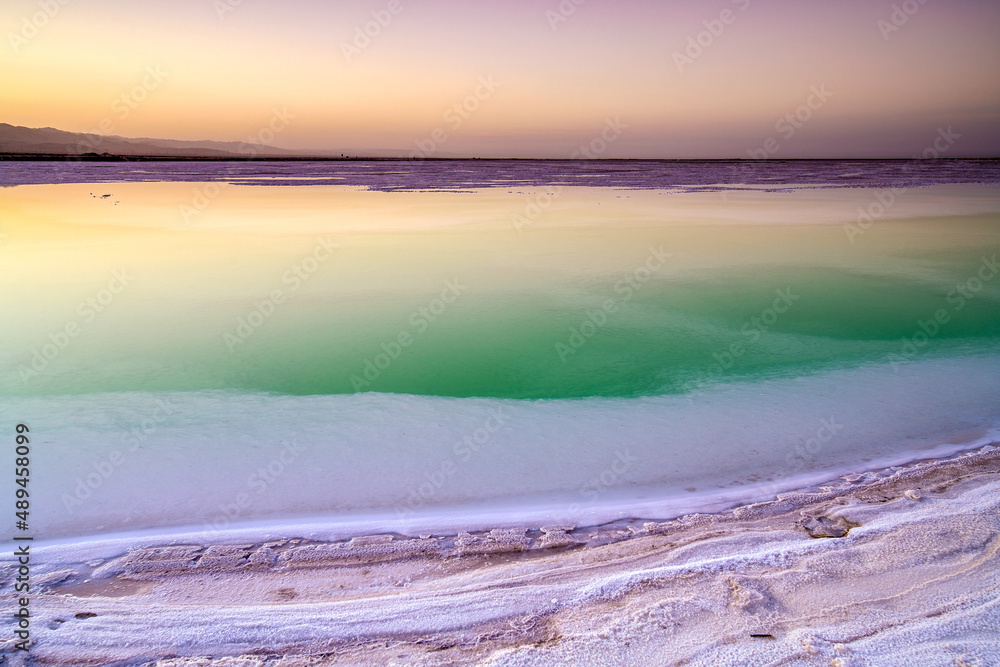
<point>665,337</point>
<point>559,313</point>
<point>704,337</point>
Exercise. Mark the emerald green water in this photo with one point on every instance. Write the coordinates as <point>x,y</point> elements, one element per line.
<point>707,339</point>
<point>523,323</point>
<point>657,343</point>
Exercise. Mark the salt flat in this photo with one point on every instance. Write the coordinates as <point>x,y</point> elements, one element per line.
<point>893,567</point>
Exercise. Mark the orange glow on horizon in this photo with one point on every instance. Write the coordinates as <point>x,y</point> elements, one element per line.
<point>558,84</point>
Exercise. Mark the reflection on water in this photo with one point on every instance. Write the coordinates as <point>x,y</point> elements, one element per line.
<point>333,290</point>
<point>194,332</point>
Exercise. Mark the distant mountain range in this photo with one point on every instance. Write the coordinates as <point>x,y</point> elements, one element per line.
<point>50,141</point>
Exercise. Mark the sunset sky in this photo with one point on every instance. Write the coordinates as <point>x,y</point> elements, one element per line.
<point>881,81</point>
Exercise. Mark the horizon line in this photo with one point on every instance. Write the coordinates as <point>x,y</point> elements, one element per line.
<point>113,157</point>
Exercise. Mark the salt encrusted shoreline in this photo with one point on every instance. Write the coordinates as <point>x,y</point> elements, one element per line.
<point>909,564</point>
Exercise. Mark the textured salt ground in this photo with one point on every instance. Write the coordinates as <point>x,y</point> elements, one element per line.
<point>896,567</point>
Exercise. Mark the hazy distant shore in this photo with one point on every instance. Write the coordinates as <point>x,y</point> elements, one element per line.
<point>108,157</point>
<point>32,156</point>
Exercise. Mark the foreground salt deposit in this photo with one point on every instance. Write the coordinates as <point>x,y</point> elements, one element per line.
<point>892,567</point>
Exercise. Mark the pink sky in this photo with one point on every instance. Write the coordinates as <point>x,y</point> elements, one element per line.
<point>726,78</point>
